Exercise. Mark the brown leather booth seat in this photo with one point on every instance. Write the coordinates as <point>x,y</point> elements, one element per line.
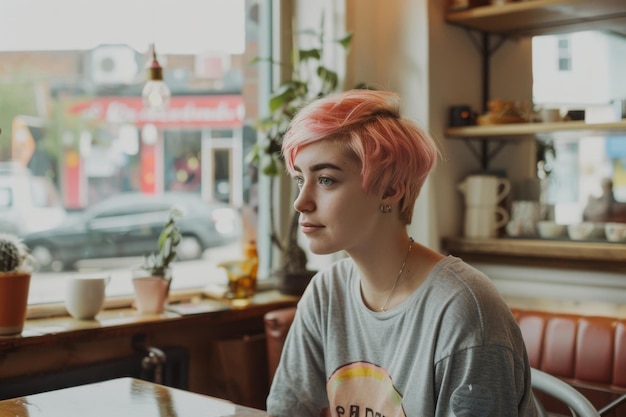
<point>588,352</point>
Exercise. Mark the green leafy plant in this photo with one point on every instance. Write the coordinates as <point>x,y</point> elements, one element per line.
<point>158,264</point>
<point>310,79</point>
<point>14,255</point>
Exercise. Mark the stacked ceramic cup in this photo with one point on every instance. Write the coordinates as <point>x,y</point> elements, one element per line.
<point>483,215</point>
<point>525,216</point>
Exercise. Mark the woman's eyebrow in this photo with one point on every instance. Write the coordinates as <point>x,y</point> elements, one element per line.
<point>324,165</point>
<point>319,167</point>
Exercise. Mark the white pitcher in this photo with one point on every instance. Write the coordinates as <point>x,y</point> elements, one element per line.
<point>484,190</point>
<point>484,222</point>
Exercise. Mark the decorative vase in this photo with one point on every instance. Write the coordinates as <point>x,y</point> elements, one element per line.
<point>14,287</point>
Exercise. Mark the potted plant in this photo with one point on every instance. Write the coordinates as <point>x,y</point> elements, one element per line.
<point>310,78</point>
<point>16,266</point>
<point>152,281</point>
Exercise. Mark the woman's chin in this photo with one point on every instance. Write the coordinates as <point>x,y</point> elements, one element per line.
<point>321,249</point>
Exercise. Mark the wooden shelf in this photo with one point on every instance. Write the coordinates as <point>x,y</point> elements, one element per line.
<point>517,131</point>
<point>570,254</point>
<point>542,17</point>
<point>522,19</point>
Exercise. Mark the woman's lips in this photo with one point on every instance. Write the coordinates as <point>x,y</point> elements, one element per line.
<point>307,227</point>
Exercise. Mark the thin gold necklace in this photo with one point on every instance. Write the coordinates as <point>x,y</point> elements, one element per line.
<point>395,284</point>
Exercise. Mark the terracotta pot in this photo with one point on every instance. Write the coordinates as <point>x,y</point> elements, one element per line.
<point>151,294</point>
<point>13,302</point>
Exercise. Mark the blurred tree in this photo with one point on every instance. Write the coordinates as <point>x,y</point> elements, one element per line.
<point>16,97</point>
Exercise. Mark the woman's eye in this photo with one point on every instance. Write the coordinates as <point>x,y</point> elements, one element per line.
<point>299,181</point>
<point>325,181</point>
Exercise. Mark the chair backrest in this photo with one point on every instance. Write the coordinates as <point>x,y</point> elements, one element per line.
<point>577,403</point>
<point>277,323</point>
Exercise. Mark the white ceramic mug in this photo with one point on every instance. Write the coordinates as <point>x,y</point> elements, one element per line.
<point>85,295</point>
<point>484,221</point>
<point>484,190</point>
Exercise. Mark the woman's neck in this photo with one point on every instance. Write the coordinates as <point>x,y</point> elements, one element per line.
<point>390,278</point>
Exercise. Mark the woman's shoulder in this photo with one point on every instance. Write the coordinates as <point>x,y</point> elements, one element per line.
<point>455,271</point>
<point>465,286</point>
<point>338,273</point>
<point>467,303</point>
<point>329,288</point>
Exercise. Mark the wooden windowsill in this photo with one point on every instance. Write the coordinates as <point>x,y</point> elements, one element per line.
<point>38,311</point>
<point>128,321</point>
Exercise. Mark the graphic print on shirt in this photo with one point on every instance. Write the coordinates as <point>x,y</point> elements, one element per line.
<point>362,389</point>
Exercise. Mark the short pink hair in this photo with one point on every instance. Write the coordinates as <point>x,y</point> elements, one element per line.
<point>391,149</point>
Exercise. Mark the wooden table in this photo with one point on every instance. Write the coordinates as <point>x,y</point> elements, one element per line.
<point>120,398</point>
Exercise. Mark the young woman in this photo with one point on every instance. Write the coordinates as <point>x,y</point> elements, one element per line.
<point>395,329</point>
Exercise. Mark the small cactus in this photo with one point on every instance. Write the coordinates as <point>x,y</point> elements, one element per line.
<point>13,253</point>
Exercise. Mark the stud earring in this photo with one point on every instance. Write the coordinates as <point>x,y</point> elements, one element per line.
<point>385,208</point>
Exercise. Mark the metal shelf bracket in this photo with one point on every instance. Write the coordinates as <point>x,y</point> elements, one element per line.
<point>484,155</point>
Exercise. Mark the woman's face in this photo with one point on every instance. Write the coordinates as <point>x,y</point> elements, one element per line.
<point>335,213</point>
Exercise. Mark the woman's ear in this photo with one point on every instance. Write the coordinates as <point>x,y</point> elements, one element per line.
<point>394,194</point>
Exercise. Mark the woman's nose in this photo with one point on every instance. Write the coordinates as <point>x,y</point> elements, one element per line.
<point>304,202</point>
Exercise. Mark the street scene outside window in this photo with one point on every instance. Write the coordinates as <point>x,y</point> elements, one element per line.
<point>88,174</point>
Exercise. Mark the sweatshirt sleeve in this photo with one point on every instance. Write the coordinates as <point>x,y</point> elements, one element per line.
<point>298,388</point>
<point>481,366</point>
<point>485,381</point>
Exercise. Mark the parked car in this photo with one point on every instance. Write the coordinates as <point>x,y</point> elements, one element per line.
<point>128,224</point>
<point>28,203</point>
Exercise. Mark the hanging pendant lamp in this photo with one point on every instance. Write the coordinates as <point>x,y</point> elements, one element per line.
<point>156,94</point>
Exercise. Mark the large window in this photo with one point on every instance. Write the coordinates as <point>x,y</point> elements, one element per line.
<point>77,145</point>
